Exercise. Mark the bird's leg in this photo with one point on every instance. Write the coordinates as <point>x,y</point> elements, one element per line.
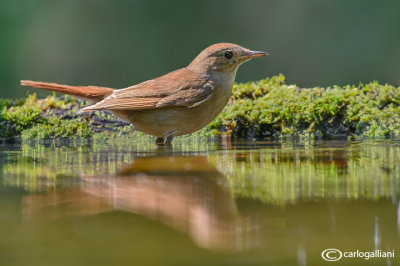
<point>170,137</point>
<point>165,141</point>
<point>160,141</point>
<point>168,140</point>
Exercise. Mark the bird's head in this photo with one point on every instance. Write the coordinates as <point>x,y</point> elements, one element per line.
<point>223,57</point>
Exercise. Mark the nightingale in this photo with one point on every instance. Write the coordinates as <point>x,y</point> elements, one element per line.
<point>175,104</point>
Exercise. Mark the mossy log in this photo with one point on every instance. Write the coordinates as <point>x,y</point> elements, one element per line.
<point>264,109</point>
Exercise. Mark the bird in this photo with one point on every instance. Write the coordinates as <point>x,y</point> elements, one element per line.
<point>178,103</point>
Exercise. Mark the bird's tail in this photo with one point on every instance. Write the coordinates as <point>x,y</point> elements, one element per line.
<point>93,93</point>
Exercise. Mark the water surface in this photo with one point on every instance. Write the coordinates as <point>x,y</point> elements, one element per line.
<point>127,202</point>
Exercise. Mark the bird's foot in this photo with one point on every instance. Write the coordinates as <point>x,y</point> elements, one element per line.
<point>169,140</point>
<point>165,141</point>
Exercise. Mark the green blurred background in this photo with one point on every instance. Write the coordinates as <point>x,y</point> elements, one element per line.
<point>120,43</point>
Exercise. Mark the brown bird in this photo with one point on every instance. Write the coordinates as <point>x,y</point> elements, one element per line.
<point>178,103</point>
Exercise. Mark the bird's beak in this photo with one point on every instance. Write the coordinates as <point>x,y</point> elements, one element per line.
<point>254,54</point>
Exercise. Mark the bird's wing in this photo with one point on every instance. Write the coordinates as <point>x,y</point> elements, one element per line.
<point>182,87</point>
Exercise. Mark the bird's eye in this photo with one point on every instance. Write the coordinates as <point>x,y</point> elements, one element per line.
<point>228,54</point>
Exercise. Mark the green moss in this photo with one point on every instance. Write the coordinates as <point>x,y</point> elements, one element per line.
<point>57,128</point>
<point>16,119</point>
<point>5,103</point>
<point>36,118</point>
<point>271,108</point>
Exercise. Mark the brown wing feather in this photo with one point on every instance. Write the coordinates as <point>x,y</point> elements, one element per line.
<point>126,104</point>
<point>182,87</point>
<point>188,98</point>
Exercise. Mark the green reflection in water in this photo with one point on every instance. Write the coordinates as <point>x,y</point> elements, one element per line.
<point>330,171</point>
<point>275,173</point>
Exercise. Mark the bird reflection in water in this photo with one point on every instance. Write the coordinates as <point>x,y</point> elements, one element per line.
<point>186,193</point>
